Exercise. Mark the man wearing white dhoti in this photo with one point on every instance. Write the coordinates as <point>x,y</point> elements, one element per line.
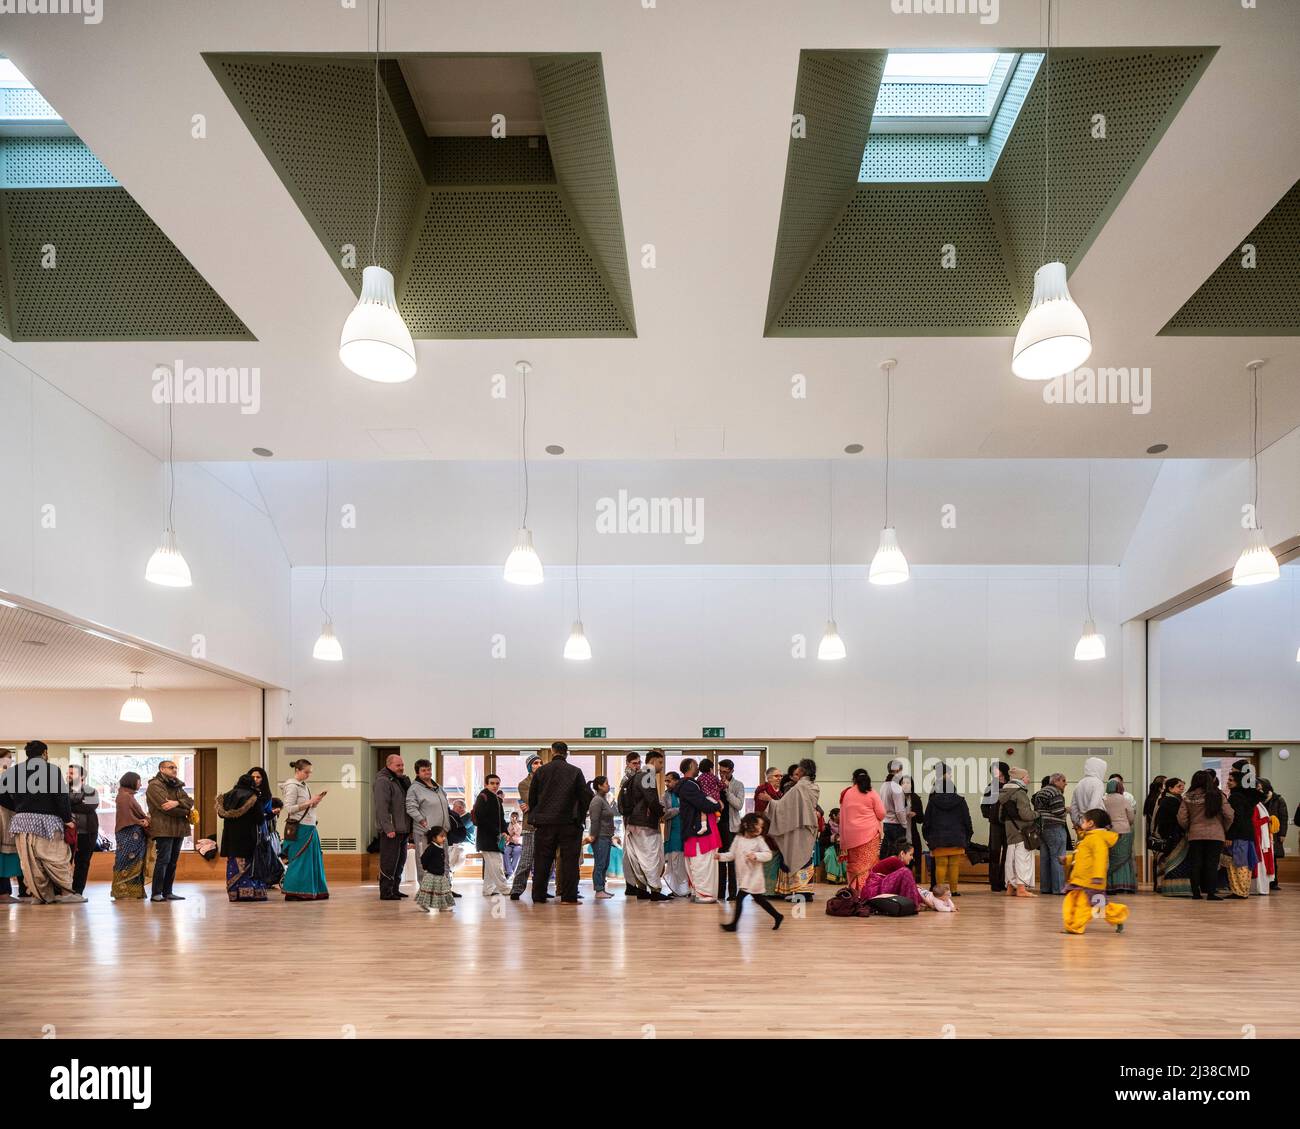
<point>642,809</point>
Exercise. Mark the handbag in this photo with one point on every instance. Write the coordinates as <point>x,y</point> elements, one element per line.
<point>291,826</point>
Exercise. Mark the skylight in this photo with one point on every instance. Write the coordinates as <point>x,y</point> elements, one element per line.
<point>11,77</point>
<point>963,67</point>
<point>23,112</point>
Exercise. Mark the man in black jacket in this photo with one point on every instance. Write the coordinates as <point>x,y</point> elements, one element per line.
<point>1000,774</point>
<point>37,793</point>
<point>557,801</point>
<point>490,830</point>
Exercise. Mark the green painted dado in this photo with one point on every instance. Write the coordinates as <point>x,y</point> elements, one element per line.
<point>81,261</point>
<point>1255,291</point>
<point>868,258</point>
<point>486,237</point>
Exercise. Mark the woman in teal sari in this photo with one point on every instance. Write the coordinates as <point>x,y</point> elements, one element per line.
<point>304,877</point>
<point>1121,877</point>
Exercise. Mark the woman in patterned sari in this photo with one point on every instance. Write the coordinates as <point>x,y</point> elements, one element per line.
<point>1174,859</point>
<point>246,808</point>
<point>862,817</point>
<point>131,844</point>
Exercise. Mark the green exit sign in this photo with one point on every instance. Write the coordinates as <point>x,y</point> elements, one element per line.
<point>594,731</point>
<point>714,731</point>
<point>483,734</point>
<point>1238,734</point>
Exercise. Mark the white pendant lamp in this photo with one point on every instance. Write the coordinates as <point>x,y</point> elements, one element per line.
<point>135,708</point>
<point>167,567</point>
<point>888,566</point>
<point>1257,564</point>
<point>327,647</point>
<point>1090,646</point>
<point>523,565</point>
<point>576,647</point>
<point>375,343</point>
<point>831,648</point>
<point>1054,337</point>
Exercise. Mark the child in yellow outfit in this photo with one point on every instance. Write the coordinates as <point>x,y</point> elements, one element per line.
<point>1087,881</point>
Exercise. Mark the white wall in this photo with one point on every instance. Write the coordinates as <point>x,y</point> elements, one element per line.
<point>108,498</point>
<point>92,715</point>
<point>956,652</point>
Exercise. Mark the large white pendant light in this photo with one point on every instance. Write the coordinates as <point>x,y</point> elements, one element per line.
<point>135,708</point>
<point>888,566</point>
<point>327,648</point>
<point>1090,646</point>
<point>576,647</point>
<point>1257,564</point>
<point>831,647</point>
<point>1054,337</point>
<point>167,567</point>
<point>375,342</point>
<point>523,565</point>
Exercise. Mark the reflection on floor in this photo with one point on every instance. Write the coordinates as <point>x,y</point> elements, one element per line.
<point>355,966</point>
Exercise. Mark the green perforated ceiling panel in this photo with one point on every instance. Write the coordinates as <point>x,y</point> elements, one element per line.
<point>995,228</point>
<point>572,92</point>
<point>315,120</point>
<point>504,263</point>
<point>1240,299</point>
<point>473,253</point>
<point>835,93</point>
<point>116,275</point>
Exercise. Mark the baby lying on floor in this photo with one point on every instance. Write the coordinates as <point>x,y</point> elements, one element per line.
<point>939,898</point>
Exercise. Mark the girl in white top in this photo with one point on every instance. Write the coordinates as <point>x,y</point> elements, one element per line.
<point>749,851</point>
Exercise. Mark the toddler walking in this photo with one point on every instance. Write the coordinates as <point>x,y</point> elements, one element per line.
<point>749,851</point>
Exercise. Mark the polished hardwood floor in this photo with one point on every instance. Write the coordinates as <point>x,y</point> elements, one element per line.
<point>355,966</point>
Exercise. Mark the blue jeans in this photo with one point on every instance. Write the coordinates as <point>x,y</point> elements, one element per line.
<point>600,852</point>
<point>1051,874</point>
<point>164,867</point>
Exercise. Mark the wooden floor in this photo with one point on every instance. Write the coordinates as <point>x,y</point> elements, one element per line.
<point>356,966</point>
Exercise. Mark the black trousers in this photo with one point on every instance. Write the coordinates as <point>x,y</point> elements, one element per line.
<point>726,870</point>
<point>761,899</point>
<point>1203,865</point>
<point>81,863</point>
<point>548,841</point>
<point>392,860</point>
<point>997,856</point>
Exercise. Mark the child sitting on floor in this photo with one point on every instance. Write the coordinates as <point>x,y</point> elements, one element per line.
<point>1086,885</point>
<point>435,887</point>
<point>939,898</point>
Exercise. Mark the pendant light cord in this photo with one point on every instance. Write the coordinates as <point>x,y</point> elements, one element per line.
<point>1088,566</point>
<point>1254,446</point>
<point>1047,143</point>
<point>326,577</point>
<point>523,442</point>
<point>889,386</point>
<point>830,539</point>
<point>374,232</point>
<point>577,533</point>
<point>171,461</point>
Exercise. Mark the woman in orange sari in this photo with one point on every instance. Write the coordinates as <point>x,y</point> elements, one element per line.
<point>862,816</point>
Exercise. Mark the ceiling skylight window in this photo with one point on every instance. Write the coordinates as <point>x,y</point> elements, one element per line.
<point>965,67</point>
<point>22,109</point>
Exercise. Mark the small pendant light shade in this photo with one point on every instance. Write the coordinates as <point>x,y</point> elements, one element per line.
<point>832,646</point>
<point>328,648</point>
<point>888,566</point>
<point>577,647</point>
<point>167,567</point>
<point>1090,645</point>
<point>523,565</point>
<point>135,708</point>
<point>1054,338</point>
<point>1256,565</point>
<point>375,342</point>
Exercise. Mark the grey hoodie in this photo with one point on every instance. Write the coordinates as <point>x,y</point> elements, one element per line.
<point>1090,792</point>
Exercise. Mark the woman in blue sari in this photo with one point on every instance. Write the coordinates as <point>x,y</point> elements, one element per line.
<point>246,808</point>
<point>304,878</point>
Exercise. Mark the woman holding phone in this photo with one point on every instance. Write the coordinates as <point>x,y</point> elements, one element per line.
<point>304,877</point>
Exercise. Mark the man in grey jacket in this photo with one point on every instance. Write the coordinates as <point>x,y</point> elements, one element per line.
<point>733,809</point>
<point>394,826</point>
<point>426,805</point>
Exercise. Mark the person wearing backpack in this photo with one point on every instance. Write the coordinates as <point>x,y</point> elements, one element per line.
<point>1016,812</point>
<point>1049,805</point>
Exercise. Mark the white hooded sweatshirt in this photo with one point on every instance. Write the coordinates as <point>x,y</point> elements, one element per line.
<point>1090,792</point>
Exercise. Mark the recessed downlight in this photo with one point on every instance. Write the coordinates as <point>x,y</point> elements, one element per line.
<point>264,452</point>
<point>1157,448</point>
<point>554,449</point>
<point>853,449</point>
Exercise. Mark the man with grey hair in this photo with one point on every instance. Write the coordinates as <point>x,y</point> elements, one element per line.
<point>1054,833</point>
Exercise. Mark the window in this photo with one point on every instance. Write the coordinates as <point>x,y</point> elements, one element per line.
<point>943,92</point>
<point>105,767</point>
<point>964,67</point>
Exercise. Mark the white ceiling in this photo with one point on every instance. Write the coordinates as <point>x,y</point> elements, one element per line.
<point>700,97</point>
<point>38,652</point>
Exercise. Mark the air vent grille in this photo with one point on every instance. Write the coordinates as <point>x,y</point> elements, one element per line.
<point>1077,751</point>
<point>338,844</point>
<point>861,750</point>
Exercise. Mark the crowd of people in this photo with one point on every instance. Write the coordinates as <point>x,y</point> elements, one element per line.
<point>682,834</point>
